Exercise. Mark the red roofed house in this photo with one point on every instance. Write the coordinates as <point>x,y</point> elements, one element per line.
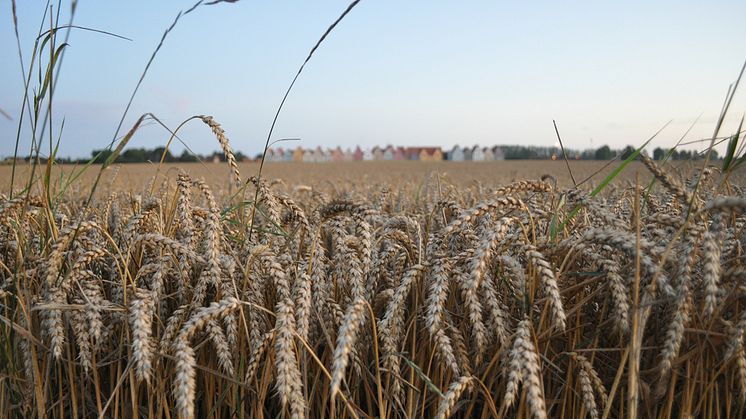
<point>357,155</point>
<point>424,153</point>
<point>337,154</point>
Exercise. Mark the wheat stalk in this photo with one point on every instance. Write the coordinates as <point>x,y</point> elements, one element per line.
<point>452,395</point>
<point>354,320</point>
<point>142,308</point>
<point>224,144</point>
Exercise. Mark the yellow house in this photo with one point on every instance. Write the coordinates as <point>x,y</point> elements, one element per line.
<point>298,154</point>
<point>431,154</point>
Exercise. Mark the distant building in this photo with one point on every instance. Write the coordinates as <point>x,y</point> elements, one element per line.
<point>367,155</point>
<point>377,153</point>
<point>337,155</point>
<point>488,154</point>
<point>320,156</point>
<point>477,154</point>
<point>399,153</point>
<point>498,153</point>
<point>456,154</point>
<point>388,152</point>
<point>412,153</point>
<point>423,153</point>
<point>431,154</point>
<point>348,155</point>
<point>357,155</point>
<point>468,153</point>
<point>299,154</point>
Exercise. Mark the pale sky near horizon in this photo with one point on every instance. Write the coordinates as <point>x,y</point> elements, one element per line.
<point>406,73</point>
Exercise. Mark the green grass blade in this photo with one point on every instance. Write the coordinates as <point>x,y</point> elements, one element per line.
<point>731,154</point>
<point>604,183</point>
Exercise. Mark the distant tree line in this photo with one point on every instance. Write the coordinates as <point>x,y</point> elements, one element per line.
<point>520,152</point>
<point>510,152</point>
<point>143,155</point>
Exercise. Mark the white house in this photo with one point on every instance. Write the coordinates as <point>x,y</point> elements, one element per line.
<point>388,153</point>
<point>320,156</point>
<point>467,153</point>
<point>477,154</point>
<point>456,154</point>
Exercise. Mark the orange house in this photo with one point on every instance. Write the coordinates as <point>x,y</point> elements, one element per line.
<point>298,154</point>
<point>428,153</point>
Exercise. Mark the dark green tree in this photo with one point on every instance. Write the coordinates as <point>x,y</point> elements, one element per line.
<point>627,152</point>
<point>604,153</point>
<point>100,156</point>
<point>658,153</point>
<point>187,157</point>
<point>157,154</point>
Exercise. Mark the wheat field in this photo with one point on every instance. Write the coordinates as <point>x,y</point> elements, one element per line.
<point>343,176</point>
<point>362,290</point>
<point>348,297</point>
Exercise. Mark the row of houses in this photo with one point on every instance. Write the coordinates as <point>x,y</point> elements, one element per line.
<point>320,155</point>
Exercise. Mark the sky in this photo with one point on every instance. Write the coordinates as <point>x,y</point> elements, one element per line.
<point>404,73</point>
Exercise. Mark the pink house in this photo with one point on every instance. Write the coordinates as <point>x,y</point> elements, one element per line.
<point>357,155</point>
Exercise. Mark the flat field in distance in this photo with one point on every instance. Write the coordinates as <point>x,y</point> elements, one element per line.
<point>346,176</point>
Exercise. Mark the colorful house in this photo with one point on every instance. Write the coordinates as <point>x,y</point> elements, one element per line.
<point>468,153</point>
<point>388,152</point>
<point>298,154</point>
<point>320,156</point>
<point>357,155</point>
<point>424,153</point>
<point>488,155</point>
<point>412,153</point>
<point>456,154</point>
<point>337,155</point>
<point>477,153</point>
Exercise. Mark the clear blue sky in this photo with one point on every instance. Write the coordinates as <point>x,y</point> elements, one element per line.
<point>407,73</point>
